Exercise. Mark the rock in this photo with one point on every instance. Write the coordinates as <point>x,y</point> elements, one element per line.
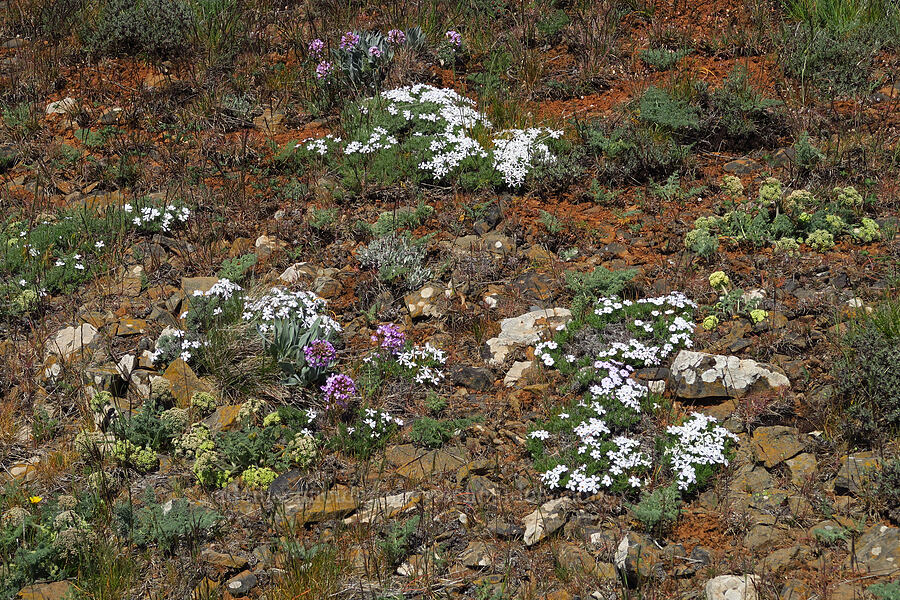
<point>772,445</point>
<point>516,372</point>
<point>638,558</point>
<point>206,590</point>
<point>106,378</point>
<point>534,286</point>
<point>802,467</point>
<point>499,244</point>
<point>241,584</point>
<point>544,521</point>
<point>72,340</point>
<point>795,589</point>
<point>223,418</point>
<point>700,375</point>
<point>129,326</point>
<point>57,590</point>
<point>62,107</point>
<point>298,272</point>
<point>192,285</point>
<point>110,116</point>
<point>742,166</point>
<point>266,246</point>
<point>581,562</point>
<point>780,560</point>
<point>856,472</point>
<point>524,330</point>
<point>732,587</point>
<point>878,550</point>
<point>751,479</point>
<point>483,490</point>
<point>335,503</point>
<point>388,507</point>
<point>327,287</point>
<point>424,302</point>
<point>477,554</point>
<point>226,562</point>
<point>268,122</point>
<point>472,378</point>
<point>430,463</point>
<point>184,382</point>
<point>763,537</point>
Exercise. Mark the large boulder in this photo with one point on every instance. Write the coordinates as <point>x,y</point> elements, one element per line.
<point>700,375</point>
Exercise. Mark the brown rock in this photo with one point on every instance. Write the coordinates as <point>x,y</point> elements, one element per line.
<point>184,382</point>
<point>58,590</point>
<point>773,445</point>
<point>335,503</point>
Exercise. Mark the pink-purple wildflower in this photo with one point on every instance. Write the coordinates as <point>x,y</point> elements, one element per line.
<point>389,338</point>
<point>323,69</point>
<point>375,52</point>
<point>339,389</point>
<point>454,38</point>
<point>316,46</point>
<point>396,37</point>
<point>349,40</point>
<point>319,354</point>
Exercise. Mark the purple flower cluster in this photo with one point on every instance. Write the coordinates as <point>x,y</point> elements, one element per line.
<point>389,338</point>
<point>454,38</point>
<point>319,354</point>
<point>375,51</point>
<point>396,37</point>
<point>339,389</point>
<point>323,69</point>
<point>316,46</point>
<point>349,40</point>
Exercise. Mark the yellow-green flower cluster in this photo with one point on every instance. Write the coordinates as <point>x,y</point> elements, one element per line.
<point>258,477</point>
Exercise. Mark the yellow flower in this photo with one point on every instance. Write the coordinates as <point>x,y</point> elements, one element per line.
<point>35,499</point>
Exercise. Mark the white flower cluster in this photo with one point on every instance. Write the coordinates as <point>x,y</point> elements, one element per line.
<point>150,216</point>
<point>619,385</point>
<point>279,303</point>
<point>516,150</point>
<point>698,441</point>
<point>375,423</point>
<point>513,152</point>
<point>185,345</point>
<point>419,360</point>
<point>224,289</point>
<point>379,139</point>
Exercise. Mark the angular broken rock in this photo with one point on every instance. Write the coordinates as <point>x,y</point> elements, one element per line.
<point>388,507</point>
<point>701,375</point>
<point>549,517</point>
<point>878,550</point>
<point>777,443</point>
<point>638,558</point>
<point>732,587</point>
<point>71,340</point>
<point>525,330</point>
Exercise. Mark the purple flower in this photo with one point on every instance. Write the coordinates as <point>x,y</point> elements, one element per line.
<point>349,40</point>
<point>454,38</point>
<point>319,354</point>
<point>339,388</point>
<point>389,338</point>
<point>323,69</point>
<point>396,37</point>
<point>316,46</point>
<point>375,51</point>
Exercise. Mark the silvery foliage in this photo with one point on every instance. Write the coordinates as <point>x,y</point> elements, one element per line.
<point>397,260</point>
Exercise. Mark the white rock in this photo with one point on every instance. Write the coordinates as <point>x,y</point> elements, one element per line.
<point>701,375</point>
<point>61,107</point>
<point>524,331</point>
<point>549,517</point>
<point>515,372</point>
<point>71,340</point>
<point>732,587</point>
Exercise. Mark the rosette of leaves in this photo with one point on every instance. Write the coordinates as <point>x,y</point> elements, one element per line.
<point>285,344</point>
<point>364,68</point>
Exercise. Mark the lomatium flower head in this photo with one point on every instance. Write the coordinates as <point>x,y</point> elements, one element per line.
<point>710,322</point>
<point>758,315</point>
<point>719,280</point>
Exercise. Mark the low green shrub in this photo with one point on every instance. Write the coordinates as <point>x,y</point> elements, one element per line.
<point>168,526</point>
